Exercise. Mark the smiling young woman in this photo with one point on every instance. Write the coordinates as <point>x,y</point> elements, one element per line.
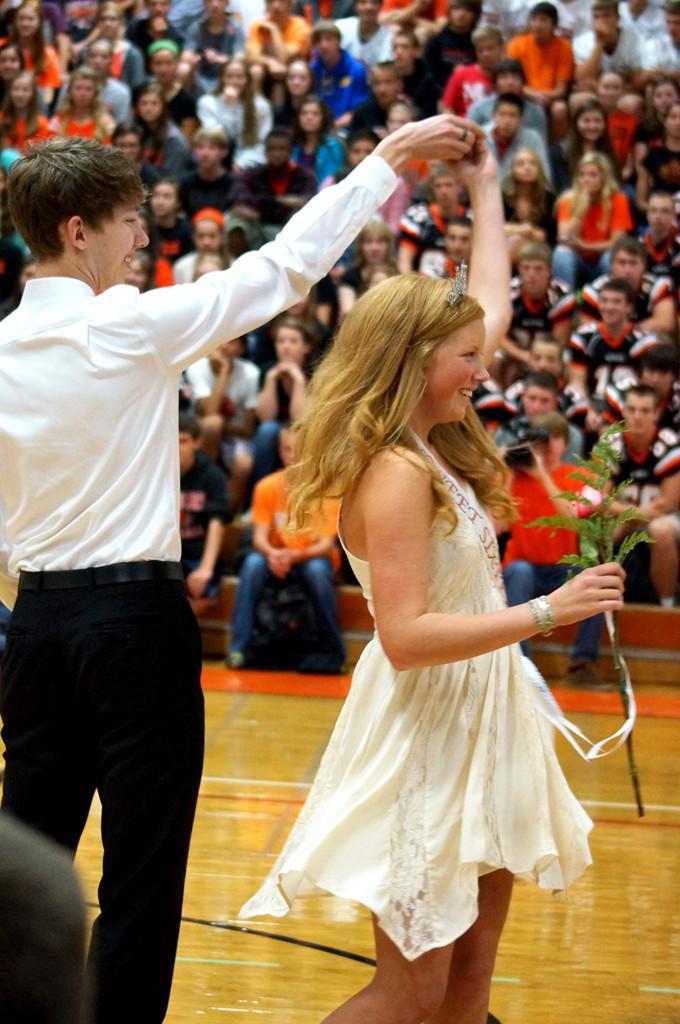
<point>439,783</point>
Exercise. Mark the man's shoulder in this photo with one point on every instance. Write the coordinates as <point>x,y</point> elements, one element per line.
<point>519,44</point>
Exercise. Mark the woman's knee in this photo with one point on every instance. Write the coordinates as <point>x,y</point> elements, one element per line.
<point>412,1001</point>
<point>664,531</point>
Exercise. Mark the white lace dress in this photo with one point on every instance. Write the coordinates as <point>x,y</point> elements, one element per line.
<point>433,776</point>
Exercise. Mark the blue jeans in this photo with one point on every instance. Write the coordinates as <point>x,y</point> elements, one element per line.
<point>571,268</point>
<point>316,575</point>
<point>266,449</point>
<point>524,580</point>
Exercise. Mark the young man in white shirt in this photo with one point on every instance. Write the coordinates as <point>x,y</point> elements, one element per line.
<point>363,37</point>
<point>100,685</point>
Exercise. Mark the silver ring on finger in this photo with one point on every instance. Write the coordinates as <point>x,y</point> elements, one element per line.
<point>464,135</point>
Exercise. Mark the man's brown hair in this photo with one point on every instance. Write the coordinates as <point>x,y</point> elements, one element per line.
<point>63,178</point>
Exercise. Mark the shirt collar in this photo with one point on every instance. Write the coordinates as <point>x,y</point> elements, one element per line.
<point>54,292</point>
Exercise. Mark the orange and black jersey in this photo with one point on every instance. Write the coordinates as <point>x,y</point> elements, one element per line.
<point>572,404</point>
<point>652,290</point>
<point>669,408</point>
<point>663,260</point>
<point>422,228</point>
<point>531,317</point>
<point>647,469</point>
<point>608,359</point>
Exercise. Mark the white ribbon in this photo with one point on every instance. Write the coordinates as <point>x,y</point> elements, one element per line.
<point>547,704</point>
<point>551,710</point>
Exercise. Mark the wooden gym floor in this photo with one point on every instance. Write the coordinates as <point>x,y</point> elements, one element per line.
<point>610,953</point>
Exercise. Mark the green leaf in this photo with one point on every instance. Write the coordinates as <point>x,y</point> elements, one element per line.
<point>558,522</point>
<point>631,541</point>
<point>584,563</point>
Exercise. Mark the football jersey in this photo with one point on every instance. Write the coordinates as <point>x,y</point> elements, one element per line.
<point>572,404</point>
<point>663,260</point>
<point>646,470</point>
<point>530,317</point>
<point>491,405</point>
<point>606,359</point>
<point>652,290</point>
<point>422,229</point>
<point>669,410</point>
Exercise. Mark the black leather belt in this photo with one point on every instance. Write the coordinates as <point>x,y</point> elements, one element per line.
<point>99,576</point>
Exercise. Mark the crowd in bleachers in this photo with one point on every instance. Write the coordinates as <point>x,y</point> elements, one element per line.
<point>236,113</point>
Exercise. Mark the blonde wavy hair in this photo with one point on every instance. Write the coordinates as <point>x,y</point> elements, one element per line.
<point>580,200</point>
<point>363,395</point>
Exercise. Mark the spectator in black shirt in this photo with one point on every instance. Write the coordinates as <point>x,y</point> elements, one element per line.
<point>173,232</point>
<point>181,106</point>
<point>417,84</point>
<point>271,192</point>
<point>660,168</point>
<point>152,26</point>
<point>204,511</point>
<point>210,184</point>
<point>386,87</point>
<point>452,46</point>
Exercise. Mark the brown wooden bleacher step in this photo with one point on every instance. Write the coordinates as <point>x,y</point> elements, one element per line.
<point>650,636</point>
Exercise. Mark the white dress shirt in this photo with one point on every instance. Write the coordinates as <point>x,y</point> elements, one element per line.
<point>626,57</point>
<point>88,388</point>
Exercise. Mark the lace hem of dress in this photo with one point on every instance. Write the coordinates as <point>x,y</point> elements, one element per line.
<point>408,916</point>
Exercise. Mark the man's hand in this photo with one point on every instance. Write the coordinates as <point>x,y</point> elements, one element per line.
<point>445,137</point>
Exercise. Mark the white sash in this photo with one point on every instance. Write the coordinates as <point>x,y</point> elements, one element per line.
<point>547,704</point>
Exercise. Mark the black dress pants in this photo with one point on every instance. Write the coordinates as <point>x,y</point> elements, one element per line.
<point>100,690</point>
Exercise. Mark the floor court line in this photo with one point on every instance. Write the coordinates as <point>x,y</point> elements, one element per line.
<point>226,780</point>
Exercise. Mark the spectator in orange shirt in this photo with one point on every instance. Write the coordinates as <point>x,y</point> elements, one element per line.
<point>20,120</point>
<point>531,562</point>
<point>548,64</point>
<point>590,217</point>
<point>425,17</point>
<point>309,556</point>
<point>81,111</point>
<point>622,125</point>
<point>28,33</point>
<point>278,38</point>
